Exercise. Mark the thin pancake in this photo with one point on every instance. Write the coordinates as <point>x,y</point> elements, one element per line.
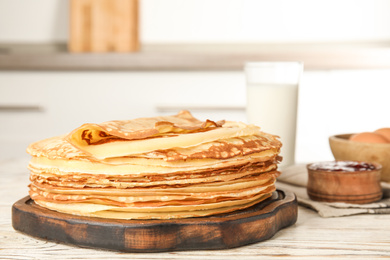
<point>149,199</point>
<point>96,210</point>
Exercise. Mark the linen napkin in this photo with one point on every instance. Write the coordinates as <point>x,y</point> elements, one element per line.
<point>294,178</point>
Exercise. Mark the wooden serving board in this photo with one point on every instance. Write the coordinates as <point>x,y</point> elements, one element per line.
<point>255,224</point>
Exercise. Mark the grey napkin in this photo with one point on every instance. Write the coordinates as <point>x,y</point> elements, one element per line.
<point>294,179</point>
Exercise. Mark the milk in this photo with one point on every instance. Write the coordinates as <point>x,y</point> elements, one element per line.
<point>272,97</point>
<point>273,107</point>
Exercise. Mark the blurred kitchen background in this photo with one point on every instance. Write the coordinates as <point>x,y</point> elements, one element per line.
<point>191,56</point>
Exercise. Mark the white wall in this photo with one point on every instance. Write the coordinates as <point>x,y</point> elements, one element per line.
<point>214,20</point>
<point>265,21</point>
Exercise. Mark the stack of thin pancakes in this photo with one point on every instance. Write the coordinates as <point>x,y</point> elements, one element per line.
<point>154,168</point>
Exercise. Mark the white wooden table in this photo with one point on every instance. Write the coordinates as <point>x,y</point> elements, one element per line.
<point>357,237</point>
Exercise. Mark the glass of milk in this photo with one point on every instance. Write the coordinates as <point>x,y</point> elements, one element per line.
<point>272,97</point>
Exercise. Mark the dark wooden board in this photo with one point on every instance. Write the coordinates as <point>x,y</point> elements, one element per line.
<point>257,223</point>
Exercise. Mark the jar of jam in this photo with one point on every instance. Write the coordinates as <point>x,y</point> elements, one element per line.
<point>344,181</point>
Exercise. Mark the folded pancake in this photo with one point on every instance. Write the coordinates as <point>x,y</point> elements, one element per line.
<point>129,137</point>
<point>154,168</point>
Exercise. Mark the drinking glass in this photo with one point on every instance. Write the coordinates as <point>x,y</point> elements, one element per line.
<point>272,100</point>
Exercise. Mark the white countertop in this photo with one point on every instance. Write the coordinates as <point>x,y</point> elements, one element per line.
<point>357,237</point>
<point>195,57</point>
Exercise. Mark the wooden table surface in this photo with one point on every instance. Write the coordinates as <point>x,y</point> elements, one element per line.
<point>357,237</point>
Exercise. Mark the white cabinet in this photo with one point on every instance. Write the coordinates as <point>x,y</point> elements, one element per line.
<point>36,105</point>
